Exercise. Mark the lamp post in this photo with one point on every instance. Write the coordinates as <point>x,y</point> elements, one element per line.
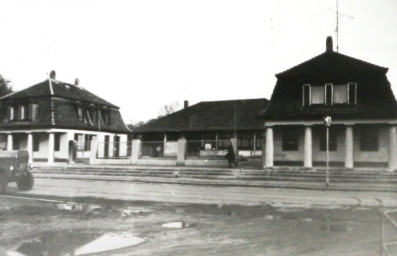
<point>327,123</point>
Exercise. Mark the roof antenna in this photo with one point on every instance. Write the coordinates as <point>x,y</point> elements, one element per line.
<point>337,23</point>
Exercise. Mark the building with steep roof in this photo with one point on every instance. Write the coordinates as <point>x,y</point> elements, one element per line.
<point>357,97</point>
<point>210,124</point>
<point>56,121</point>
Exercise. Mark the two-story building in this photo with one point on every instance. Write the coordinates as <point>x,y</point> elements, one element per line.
<point>355,94</point>
<point>56,121</point>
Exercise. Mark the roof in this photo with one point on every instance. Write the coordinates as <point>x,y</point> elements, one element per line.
<point>56,108</point>
<point>375,99</point>
<point>211,115</point>
<point>332,63</point>
<point>52,87</point>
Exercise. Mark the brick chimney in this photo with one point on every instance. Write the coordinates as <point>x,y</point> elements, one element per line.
<point>329,46</point>
<point>186,104</point>
<point>53,74</point>
<point>77,82</point>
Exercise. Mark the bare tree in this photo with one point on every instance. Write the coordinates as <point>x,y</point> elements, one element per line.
<point>5,87</point>
<point>169,108</point>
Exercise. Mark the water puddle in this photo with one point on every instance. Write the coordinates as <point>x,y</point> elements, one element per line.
<point>71,243</point>
<point>338,227</point>
<point>176,224</point>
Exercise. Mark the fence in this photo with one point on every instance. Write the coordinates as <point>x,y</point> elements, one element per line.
<point>206,148</point>
<point>389,233</point>
<point>114,150</point>
<point>159,149</point>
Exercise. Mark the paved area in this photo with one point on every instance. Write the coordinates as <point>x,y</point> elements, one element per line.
<point>135,190</point>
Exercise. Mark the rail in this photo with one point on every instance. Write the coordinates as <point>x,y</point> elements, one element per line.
<point>388,248</point>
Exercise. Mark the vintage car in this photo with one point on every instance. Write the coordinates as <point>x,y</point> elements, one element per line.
<point>14,167</point>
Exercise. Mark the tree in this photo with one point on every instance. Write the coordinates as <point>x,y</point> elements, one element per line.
<point>5,87</point>
<point>168,109</point>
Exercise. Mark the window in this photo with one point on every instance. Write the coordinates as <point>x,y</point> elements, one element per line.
<point>318,96</point>
<point>328,94</point>
<point>352,88</point>
<point>93,114</point>
<point>33,111</point>
<point>21,112</point>
<point>57,141</point>
<point>79,113</point>
<point>11,113</point>
<point>105,116</point>
<point>332,140</point>
<point>306,95</point>
<point>290,139</point>
<point>369,139</point>
<point>340,94</point>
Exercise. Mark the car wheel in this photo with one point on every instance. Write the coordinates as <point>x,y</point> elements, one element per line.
<point>25,182</point>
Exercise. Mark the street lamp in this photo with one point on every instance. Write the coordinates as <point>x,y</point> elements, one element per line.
<point>327,123</point>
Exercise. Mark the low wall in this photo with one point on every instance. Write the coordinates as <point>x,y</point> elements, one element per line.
<point>206,162</point>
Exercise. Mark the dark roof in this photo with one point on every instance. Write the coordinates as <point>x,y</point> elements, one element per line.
<point>51,87</point>
<point>210,115</point>
<point>61,99</point>
<point>330,64</point>
<point>375,99</point>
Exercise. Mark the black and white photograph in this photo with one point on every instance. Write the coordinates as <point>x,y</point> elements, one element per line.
<point>198,127</point>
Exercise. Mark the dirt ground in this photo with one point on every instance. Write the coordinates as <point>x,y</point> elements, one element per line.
<point>42,228</point>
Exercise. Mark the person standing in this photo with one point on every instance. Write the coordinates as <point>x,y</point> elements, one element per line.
<point>230,156</point>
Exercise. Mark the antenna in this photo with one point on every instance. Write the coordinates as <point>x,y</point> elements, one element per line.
<point>337,23</point>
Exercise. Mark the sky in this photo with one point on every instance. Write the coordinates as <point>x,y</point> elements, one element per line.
<point>143,55</point>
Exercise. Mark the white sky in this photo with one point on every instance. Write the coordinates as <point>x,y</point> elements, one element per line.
<point>142,55</point>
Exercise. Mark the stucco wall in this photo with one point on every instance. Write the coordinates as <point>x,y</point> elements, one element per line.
<point>382,155</point>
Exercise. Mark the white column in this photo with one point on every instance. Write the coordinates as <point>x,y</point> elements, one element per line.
<point>111,145</point>
<point>51,148</point>
<point>393,148</point>
<point>308,148</point>
<point>269,147</point>
<point>349,147</point>
<point>9,142</point>
<point>30,147</point>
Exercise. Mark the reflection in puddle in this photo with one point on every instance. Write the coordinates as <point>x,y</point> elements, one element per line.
<point>75,243</point>
<point>340,227</point>
<point>176,224</point>
<point>109,242</point>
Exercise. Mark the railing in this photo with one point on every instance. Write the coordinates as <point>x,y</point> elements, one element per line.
<point>159,149</point>
<point>388,236</point>
<point>206,148</point>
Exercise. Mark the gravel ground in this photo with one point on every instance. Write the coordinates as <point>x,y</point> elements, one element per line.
<point>44,228</point>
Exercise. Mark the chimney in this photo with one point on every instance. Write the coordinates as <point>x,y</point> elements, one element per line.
<point>186,104</point>
<point>77,82</point>
<point>53,74</point>
<point>329,47</point>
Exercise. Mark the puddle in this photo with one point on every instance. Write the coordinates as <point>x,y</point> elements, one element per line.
<point>176,224</point>
<point>337,227</point>
<point>74,243</point>
<point>109,242</point>
<point>77,207</point>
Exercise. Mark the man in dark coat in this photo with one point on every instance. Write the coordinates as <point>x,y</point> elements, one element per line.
<point>230,156</point>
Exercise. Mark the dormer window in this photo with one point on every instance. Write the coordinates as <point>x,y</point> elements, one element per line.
<point>11,113</point>
<point>21,112</point>
<point>340,94</point>
<point>318,95</point>
<point>79,113</point>
<point>329,94</point>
